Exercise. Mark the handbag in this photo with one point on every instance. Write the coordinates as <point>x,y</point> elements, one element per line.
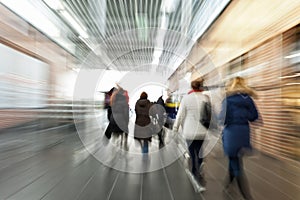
<point>155,126</point>
<point>205,114</point>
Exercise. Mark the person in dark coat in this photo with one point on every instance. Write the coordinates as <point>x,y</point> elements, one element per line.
<point>120,111</point>
<point>142,129</point>
<point>107,97</point>
<point>160,116</point>
<point>238,109</point>
<point>107,102</point>
<point>119,117</point>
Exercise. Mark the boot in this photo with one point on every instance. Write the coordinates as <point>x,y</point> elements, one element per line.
<point>243,186</point>
<point>228,180</point>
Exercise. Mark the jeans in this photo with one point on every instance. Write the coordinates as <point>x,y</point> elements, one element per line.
<point>145,147</point>
<point>194,149</point>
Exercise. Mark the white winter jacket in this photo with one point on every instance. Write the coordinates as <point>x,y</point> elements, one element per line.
<point>188,116</point>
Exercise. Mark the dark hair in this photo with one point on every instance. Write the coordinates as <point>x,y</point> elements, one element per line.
<point>197,84</point>
<point>144,95</point>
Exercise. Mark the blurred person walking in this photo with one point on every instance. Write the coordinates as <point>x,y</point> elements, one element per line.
<point>158,114</point>
<point>238,109</point>
<point>142,129</point>
<point>107,105</point>
<point>119,114</point>
<point>188,117</point>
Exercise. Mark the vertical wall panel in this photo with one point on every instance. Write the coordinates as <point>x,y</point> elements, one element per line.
<point>276,80</point>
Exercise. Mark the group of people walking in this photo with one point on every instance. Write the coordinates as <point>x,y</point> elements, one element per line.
<point>238,110</point>
<point>150,117</point>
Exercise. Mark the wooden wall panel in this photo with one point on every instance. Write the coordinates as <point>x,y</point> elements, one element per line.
<point>267,70</point>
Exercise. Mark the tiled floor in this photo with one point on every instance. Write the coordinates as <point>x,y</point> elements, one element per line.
<point>53,164</point>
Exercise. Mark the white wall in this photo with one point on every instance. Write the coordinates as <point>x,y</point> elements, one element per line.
<point>23,80</point>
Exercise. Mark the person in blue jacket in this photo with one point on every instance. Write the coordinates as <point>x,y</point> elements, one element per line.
<point>238,109</point>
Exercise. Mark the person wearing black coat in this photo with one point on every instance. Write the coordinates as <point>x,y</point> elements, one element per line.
<point>142,129</point>
<point>158,112</point>
<point>118,114</point>
<point>238,109</point>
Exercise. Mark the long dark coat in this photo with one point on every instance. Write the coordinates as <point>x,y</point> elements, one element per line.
<point>237,111</point>
<point>142,128</point>
<point>119,117</point>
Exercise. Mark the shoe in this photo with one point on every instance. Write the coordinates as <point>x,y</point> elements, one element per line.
<point>244,188</point>
<point>200,173</point>
<point>200,189</point>
<point>161,144</point>
<point>201,168</point>
<point>228,182</point>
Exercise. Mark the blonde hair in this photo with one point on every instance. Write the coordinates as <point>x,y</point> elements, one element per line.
<point>238,85</point>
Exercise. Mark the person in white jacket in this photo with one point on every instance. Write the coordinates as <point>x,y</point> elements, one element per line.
<point>188,117</point>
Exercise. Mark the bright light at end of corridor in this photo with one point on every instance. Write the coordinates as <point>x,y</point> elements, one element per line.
<point>153,90</point>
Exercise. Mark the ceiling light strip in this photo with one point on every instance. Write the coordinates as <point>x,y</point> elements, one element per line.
<point>156,14</point>
<point>175,18</point>
<point>150,13</point>
<point>146,49</point>
<point>128,10</point>
<point>95,16</point>
<point>113,30</point>
<point>176,31</point>
<point>78,25</point>
<point>117,36</point>
<point>131,27</point>
<point>124,15</point>
<point>135,10</point>
<point>99,16</point>
<point>100,46</point>
<point>128,38</point>
<point>90,19</point>
<point>198,16</point>
<point>127,34</point>
<point>212,11</point>
<point>154,30</point>
<point>113,38</point>
<point>140,45</point>
<point>117,15</point>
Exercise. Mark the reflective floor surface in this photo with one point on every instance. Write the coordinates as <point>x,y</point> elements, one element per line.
<point>40,162</point>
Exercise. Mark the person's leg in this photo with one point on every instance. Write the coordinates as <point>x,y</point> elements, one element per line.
<point>145,146</point>
<point>125,141</point>
<point>108,131</point>
<point>231,166</point>
<point>160,137</point>
<point>199,158</point>
<point>191,147</point>
<point>243,182</point>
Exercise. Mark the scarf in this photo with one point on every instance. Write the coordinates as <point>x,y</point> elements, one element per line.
<point>191,91</point>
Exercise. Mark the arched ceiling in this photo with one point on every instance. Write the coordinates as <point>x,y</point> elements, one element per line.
<point>124,35</point>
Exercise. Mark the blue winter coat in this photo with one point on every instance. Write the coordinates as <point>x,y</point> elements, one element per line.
<point>237,111</point>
